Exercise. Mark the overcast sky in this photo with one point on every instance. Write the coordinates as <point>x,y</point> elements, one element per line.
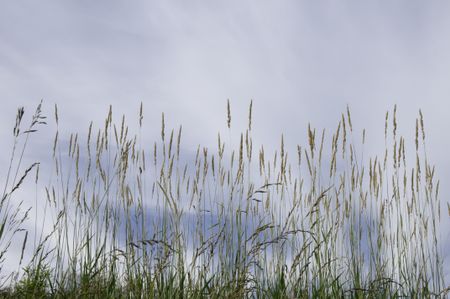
<point>300,62</point>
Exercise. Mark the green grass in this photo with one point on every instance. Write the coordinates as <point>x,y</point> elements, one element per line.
<point>129,220</point>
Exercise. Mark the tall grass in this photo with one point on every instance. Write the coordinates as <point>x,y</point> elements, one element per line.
<point>137,221</point>
<point>13,214</point>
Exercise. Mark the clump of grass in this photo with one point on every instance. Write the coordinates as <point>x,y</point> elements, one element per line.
<point>148,222</point>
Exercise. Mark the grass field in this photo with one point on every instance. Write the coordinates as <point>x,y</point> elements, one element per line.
<point>134,220</point>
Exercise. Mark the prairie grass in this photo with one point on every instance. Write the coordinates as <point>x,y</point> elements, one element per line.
<point>133,220</point>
